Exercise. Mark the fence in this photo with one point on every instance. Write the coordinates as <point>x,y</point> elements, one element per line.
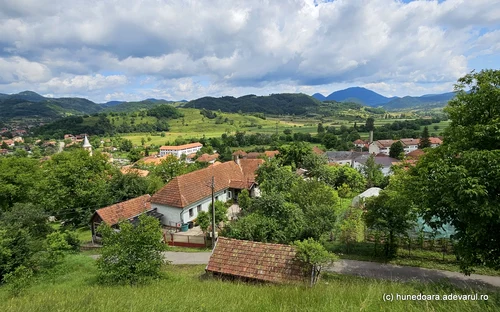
<point>173,239</point>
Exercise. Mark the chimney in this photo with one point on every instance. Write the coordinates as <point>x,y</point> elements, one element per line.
<point>236,159</point>
<point>371,137</point>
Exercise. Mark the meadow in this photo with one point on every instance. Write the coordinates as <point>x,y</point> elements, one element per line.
<point>73,287</point>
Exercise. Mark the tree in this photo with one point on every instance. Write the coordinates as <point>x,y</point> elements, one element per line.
<point>293,154</point>
<point>397,150</point>
<point>220,212</point>
<point>133,254</point>
<point>134,155</point>
<point>314,255</point>
<point>244,200</point>
<point>203,220</point>
<point>321,129</point>
<point>391,214</point>
<point>372,172</point>
<point>126,145</point>
<point>330,141</point>
<point>314,162</point>
<point>424,140</point>
<point>351,228</point>
<point>458,182</point>
<point>370,124</point>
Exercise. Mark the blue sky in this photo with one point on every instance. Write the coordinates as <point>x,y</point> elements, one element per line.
<point>132,50</point>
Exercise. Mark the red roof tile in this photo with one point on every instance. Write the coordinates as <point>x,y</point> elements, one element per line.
<point>317,150</point>
<point>271,154</point>
<point>416,153</point>
<point>239,153</point>
<point>261,261</point>
<point>130,170</point>
<point>188,188</point>
<point>409,142</point>
<point>207,157</point>
<point>125,210</point>
<point>435,140</point>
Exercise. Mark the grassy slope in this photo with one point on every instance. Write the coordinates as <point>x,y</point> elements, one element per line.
<point>73,288</point>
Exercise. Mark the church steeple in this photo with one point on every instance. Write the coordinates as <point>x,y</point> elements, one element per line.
<point>87,146</point>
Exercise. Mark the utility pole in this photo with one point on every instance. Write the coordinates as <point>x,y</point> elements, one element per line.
<point>213,213</point>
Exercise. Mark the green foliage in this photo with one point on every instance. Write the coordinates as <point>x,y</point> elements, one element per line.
<point>351,228</point>
<point>220,212</point>
<point>203,220</point>
<point>244,200</point>
<point>165,111</point>
<point>293,154</point>
<point>424,139</point>
<point>397,150</point>
<point>18,178</point>
<point>314,255</point>
<point>29,217</point>
<point>133,254</point>
<point>314,163</point>
<point>370,124</point>
<point>171,166</point>
<point>126,145</point>
<point>336,176</point>
<point>392,214</point>
<point>18,280</point>
<point>273,178</point>
<point>372,172</point>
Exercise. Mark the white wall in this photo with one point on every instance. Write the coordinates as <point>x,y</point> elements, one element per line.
<point>173,214</point>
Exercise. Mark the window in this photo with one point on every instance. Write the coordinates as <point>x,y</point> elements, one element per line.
<point>225,191</point>
<point>229,195</point>
<point>198,208</point>
<point>216,197</point>
<point>191,212</point>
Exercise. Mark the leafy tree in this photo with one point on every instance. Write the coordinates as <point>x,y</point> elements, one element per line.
<point>372,172</point>
<point>351,228</point>
<point>458,182</point>
<point>391,214</point>
<point>314,255</point>
<point>293,154</point>
<point>314,162</point>
<point>330,141</point>
<point>244,200</point>
<point>321,129</point>
<point>370,124</point>
<point>273,178</point>
<point>133,254</point>
<point>397,150</point>
<point>128,186</point>
<point>336,176</point>
<point>126,145</point>
<point>18,177</point>
<point>220,212</point>
<point>203,220</point>
<point>169,168</point>
<point>28,217</point>
<point>424,140</point>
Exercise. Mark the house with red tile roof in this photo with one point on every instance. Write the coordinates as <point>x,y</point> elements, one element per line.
<point>129,170</point>
<point>409,145</point>
<point>274,263</point>
<point>435,142</point>
<point>185,196</point>
<point>208,158</point>
<point>127,210</point>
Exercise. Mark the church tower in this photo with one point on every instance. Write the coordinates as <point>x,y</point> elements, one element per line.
<point>87,146</point>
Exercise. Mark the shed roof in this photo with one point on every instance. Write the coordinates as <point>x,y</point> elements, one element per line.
<point>125,210</point>
<point>260,261</point>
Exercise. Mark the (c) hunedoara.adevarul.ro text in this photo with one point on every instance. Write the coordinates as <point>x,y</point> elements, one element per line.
<point>428,297</point>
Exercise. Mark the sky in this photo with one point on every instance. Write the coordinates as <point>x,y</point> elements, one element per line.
<point>186,49</point>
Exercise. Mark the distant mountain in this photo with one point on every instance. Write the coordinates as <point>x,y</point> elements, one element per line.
<point>319,96</point>
<point>275,104</point>
<point>112,103</point>
<point>358,95</point>
<point>428,101</point>
<point>29,104</point>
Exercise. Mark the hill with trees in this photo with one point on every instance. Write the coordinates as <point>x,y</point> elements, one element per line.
<point>29,104</point>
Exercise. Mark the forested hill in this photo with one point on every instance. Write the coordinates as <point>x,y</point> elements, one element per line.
<point>29,104</point>
<point>274,104</point>
<point>129,107</point>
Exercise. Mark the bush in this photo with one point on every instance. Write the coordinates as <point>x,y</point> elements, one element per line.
<point>18,280</point>
<point>132,254</point>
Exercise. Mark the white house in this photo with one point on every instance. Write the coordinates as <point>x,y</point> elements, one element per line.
<point>435,142</point>
<point>178,151</point>
<point>385,162</point>
<point>380,146</point>
<point>185,196</point>
<point>409,145</point>
<point>343,157</point>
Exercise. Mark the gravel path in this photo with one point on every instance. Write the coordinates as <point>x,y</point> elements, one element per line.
<point>370,269</point>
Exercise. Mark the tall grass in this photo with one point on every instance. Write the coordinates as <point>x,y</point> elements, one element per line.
<point>73,288</point>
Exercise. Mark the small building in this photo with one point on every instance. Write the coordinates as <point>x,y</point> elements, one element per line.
<point>206,158</point>
<point>380,146</point>
<point>275,263</point>
<point>435,142</point>
<point>344,157</point>
<point>129,170</point>
<point>180,150</point>
<point>371,192</point>
<point>409,145</point>
<point>127,210</point>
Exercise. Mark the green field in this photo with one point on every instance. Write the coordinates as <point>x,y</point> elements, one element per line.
<point>73,287</point>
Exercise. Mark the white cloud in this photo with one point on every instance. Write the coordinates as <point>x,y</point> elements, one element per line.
<point>71,46</point>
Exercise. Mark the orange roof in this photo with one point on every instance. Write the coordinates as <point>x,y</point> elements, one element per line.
<point>271,154</point>
<point>384,143</point>
<point>125,210</point>
<point>317,150</point>
<point>435,140</point>
<point>207,158</point>
<point>153,160</point>
<point>188,188</point>
<point>181,147</point>
<point>261,261</point>
<point>240,153</point>
<point>253,155</point>
<point>408,142</point>
<point>130,170</point>
<point>416,153</point>
<point>359,141</point>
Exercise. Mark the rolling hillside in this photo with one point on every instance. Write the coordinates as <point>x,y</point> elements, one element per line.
<point>29,104</point>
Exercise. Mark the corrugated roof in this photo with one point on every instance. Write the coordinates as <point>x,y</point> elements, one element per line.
<point>125,210</point>
<point>260,261</point>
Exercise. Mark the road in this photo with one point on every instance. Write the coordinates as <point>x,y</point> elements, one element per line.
<point>370,269</point>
